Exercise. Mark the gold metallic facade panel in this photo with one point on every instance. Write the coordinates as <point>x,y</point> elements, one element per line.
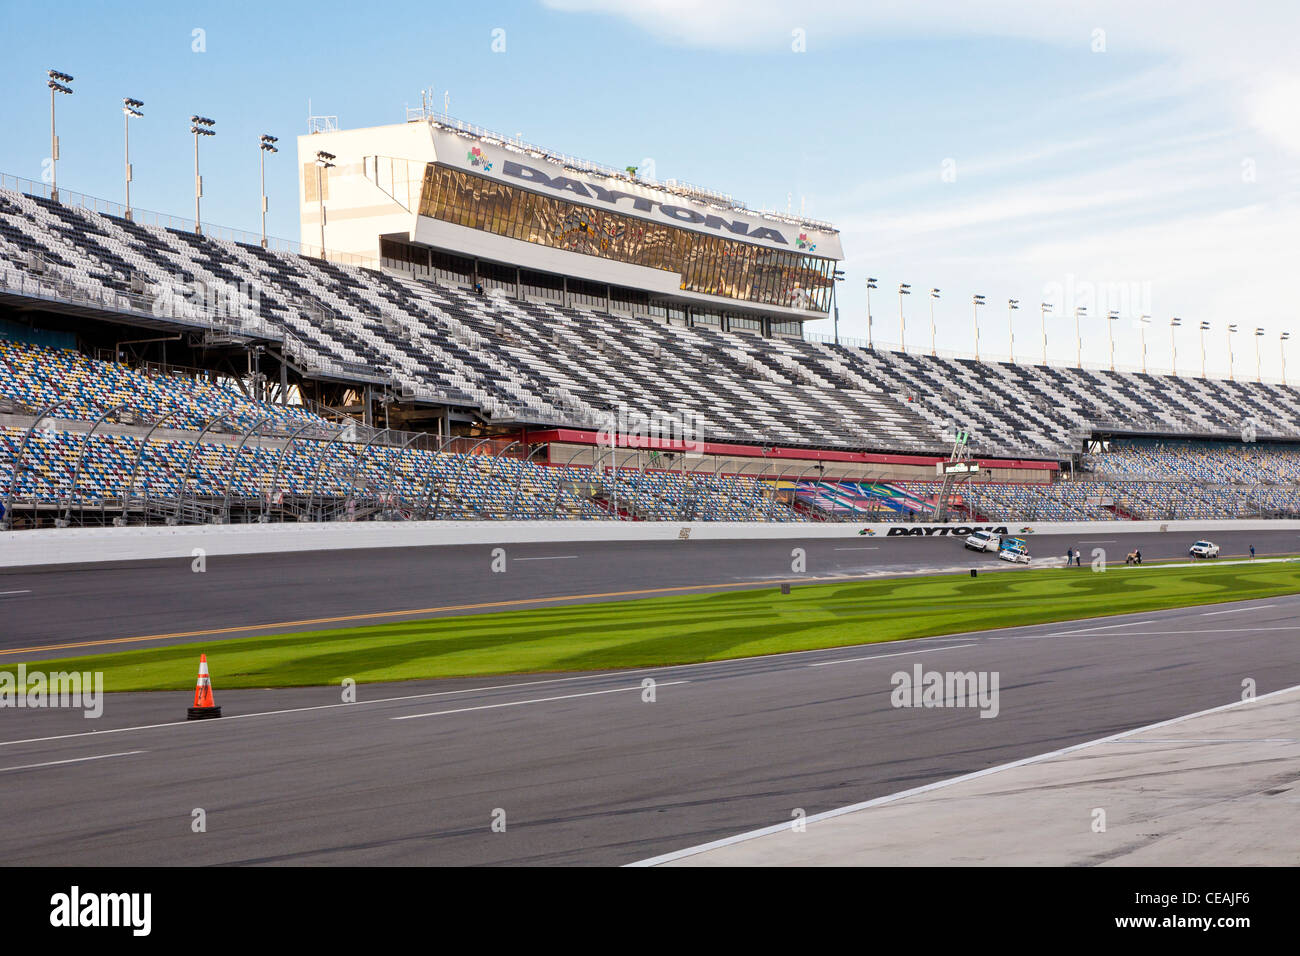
<point>706,264</point>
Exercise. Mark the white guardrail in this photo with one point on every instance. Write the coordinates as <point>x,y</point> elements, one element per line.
<point>96,545</point>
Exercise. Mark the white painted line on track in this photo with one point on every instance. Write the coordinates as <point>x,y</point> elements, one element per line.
<point>876,657</point>
<point>857,549</point>
<point>560,680</point>
<point>55,763</point>
<point>1244,629</point>
<point>535,700</point>
<point>1211,740</point>
<point>8,593</point>
<point>1085,630</point>
<point>944,784</point>
<point>1236,610</point>
<point>553,557</point>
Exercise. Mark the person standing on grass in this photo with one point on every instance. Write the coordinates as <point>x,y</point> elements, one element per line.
<point>1252,552</point>
<point>1069,556</point>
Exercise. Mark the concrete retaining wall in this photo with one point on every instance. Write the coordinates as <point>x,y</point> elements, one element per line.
<point>88,545</point>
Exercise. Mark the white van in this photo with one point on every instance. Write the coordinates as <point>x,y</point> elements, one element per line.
<point>984,541</point>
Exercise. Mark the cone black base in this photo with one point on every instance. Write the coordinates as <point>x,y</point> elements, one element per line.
<point>202,713</point>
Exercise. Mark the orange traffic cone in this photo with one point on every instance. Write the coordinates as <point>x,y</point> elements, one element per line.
<point>204,706</point>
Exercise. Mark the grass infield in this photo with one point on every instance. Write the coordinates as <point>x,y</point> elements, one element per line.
<point>681,629</point>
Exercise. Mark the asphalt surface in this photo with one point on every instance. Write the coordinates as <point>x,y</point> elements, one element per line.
<point>581,768</point>
<point>92,608</point>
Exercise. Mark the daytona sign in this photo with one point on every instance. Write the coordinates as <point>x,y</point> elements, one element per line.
<point>960,531</point>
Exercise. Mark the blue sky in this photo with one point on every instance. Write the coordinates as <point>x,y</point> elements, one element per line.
<point>1141,159</point>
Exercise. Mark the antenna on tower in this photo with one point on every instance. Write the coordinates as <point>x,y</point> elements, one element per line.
<point>321,124</point>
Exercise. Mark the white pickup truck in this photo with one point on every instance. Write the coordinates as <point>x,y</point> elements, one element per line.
<point>984,541</point>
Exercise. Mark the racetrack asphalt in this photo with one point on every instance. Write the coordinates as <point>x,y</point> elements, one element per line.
<point>91,608</point>
<point>583,769</point>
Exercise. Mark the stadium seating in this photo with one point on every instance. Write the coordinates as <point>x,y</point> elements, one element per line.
<point>35,377</point>
<point>550,364</point>
<point>547,364</point>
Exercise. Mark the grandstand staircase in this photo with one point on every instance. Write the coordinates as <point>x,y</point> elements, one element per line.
<point>1122,511</point>
<point>164,511</point>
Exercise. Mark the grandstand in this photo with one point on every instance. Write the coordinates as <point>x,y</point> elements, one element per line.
<point>443,364</point>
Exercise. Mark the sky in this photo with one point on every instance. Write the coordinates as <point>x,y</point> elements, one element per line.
<point>1137,157</point>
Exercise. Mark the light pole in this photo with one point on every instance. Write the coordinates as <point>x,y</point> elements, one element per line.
<point>1258,334</point>
<point>266,144</point>
<point>976,301</point>
<point>903,289</point>
<point>934,294</point>
<point>323,162</point>
<point>1143,322</point>
<point>1232,328</point>
<point>130,110</point>
<point>837,276</point>
<point>1111,318</point>
<point>1013,305</point>
<point>57,84</point>
<point>1173,346</point>
<point>1205,327</point>
<point>871,284</point>
<point>199,126</point>
<point>1282,350</point>
<point>1043,309</point>
<point>1078,336</point>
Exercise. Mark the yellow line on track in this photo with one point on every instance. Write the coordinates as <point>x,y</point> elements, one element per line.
<point>375,615</point>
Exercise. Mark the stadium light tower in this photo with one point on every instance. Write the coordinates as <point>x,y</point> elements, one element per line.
<point>266,144</point>
<point>1143,322</point>
<point>871,284</point>
<point>1232,329</point>
<point>837,276</point>
<point>1282,350</point>
<point>1078,336</point>
<point>58,83</point>
<point>934,294</point>
<point>1043,309</point>
<point>1205,327</point>
<point>130,110</point>
<point>1111,318</point>
<point>324,161</point>
<point>1173,346</point>
<point>1012,306</point>
<point>903,289</point>
<point>199,126</point>
<point>1258,335</point>
<point>976,301</point>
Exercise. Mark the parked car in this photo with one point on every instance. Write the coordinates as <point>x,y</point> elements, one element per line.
<point>1204,549</point>
<point>984,541</point>
<point>1014,550</point>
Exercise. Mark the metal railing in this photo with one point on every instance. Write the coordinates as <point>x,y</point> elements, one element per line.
<point>144,217</point>
<point>891,351</point>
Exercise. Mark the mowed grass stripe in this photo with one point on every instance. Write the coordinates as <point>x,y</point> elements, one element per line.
<point>680,629</point>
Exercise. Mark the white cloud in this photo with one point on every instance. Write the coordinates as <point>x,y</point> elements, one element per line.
<point>1205,41</point>
<point>1182,175</point>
